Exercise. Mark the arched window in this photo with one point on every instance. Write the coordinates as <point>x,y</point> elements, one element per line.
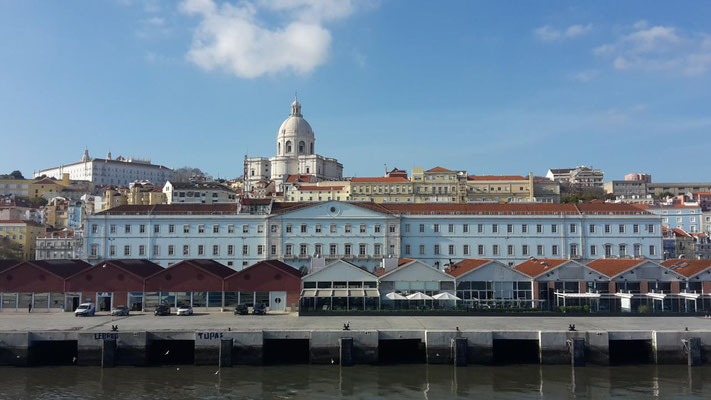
<point>278,149</point>
<point>302,147</point>
<point>288,147</point>
<point>312,148</point>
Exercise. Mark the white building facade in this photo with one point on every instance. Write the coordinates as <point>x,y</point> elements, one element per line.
<point>108,171</point>
<point>198,193</point>
<point>295,154</point>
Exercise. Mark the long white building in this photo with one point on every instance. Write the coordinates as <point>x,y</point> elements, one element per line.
<point>108,171</point>
<point>365,233</point>
<point>295,154</point>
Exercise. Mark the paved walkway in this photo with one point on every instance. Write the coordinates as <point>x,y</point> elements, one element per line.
<point>219,321</point>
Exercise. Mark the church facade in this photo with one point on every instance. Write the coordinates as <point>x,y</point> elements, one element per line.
<point>295,155</point>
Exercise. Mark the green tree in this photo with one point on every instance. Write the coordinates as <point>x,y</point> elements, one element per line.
<point>9,250</point>
<point>38,202</point>
<point>17,174</point>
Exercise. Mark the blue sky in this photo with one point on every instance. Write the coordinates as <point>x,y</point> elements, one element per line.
<point>498,87</point>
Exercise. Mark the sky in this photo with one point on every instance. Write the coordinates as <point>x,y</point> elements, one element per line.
<point>491,87</point>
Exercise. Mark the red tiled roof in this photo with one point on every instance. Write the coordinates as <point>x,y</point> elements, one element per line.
<point>466,265</point>
<point>611,267</point>
<point>299,178</point>
<point>381,179</point>
<point>482,208</point>
<point>5,264</point>
<point>210,266</point>
<point>321,188</point>
<point>680,232</point>
<point>598,208</point>
<point>688,268</point>
<point>439,169</point>
<point>286,268</point>
<point>404,261</point>
<point>193,209</point>
<point>61,268</point>
<point>496,178</point>
<point>539,266</point>
<point>142,268</point>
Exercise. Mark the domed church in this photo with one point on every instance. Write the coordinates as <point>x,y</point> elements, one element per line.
<point>294,156</point>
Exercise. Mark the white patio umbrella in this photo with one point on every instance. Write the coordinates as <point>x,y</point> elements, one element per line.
<point>445,296</point>
<point>419,296</point>
<point>395,296</point>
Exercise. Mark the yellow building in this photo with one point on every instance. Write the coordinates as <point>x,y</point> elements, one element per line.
<point>31,188</point>
<point>384,189</point>
<point>24,233</point>
<point>439,185</point>
<point>137,195</point>
<point>500,188</point>
<point>320,191</point>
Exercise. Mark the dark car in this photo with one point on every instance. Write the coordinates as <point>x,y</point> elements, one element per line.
<point>120,311</point>
<point>241,309</point>
<point>162,309</point>
<point>259,309</point>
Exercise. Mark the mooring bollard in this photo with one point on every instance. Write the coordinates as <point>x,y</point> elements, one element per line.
<point>346,351</point>
<point>459,351</point>
<point>577,352</point>
<point>225,356</point>
<point>692,347</point>
<point>108,353</point>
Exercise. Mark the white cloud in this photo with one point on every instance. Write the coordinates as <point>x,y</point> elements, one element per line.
<point>547,33</point>
<point>659,48</point>
<point>237,37</point>
<point>585,76</point>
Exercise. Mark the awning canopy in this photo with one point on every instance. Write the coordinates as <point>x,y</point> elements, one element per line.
<point>657,296</point>
<point>395,296</point>
<point>624,295</point>
<point>445,296</point>
<point>691,296</point>
<point>419,296</point>
<point>340,293</point>
<point>578,295</point>
<point>308,293</point>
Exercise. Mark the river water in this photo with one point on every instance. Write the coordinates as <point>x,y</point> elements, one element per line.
<point>359,382</point>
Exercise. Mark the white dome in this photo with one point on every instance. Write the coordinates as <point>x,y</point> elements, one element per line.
<point>295,124</point>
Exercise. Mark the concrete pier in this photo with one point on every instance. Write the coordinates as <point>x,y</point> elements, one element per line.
<point>338,347</point>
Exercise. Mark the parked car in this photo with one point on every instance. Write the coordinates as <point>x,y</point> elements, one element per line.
<point>85,310</point>
<point>120,311</point>
<point>184,310</point>
<point>241,309</point>
<point>259,309</point>
<point>162,309</point>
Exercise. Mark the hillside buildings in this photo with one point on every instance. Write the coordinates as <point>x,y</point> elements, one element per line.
<point>581,176</point>
<point>198,192</point>
<point>109,171</point>
<point>24,234</point>
<point>295,154</point>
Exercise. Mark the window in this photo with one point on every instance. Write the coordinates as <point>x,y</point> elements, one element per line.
<point>333,249</point>
<point>495,249</point>
<point>201,228</point>
<point>215,250</point>
<point>607,228</point>
<point>554,249</point>
<point>362,228</point>
<point>245,250</point>
<point>524,249</point>
<point>622,228</point>
<point>391,228</point>
<point>377,249</point>
<point>510,250</point>
<point>289,250</point>
<point>623,250</point>
<point>592,228</point>
<point>650,228</point>
<point>573,250</point>
<point>376,228</point>
<point>156,228</point>
<point>637,250</point>
<point>288,228</point>
<point>171,228</point>
<point>126,250</point>
<point>171,250</point>
<point>539,228</point>
<point>186,250</point>
<point>539,250</point>
<point>451,250</point>
<point>260,228</point>
<point>333,228</point>
<point>422,228</point>
<point>112,228</point>
<point>524,228</point>
<point>652,250</point>
<point>347,228</point>
<point>230,250</point>
<point>201,250</point>
<point>608,250</point>
<point>303,250</point>
<point>480,249</point>
<point>273,228</point>
<point>635,228</point>
<point>465,249</point>
<point>573,228</point>
<point>216,229</point>
<point>465,228</point>
<point>94,228</point>
<point>303,228</point>
<point>245,228</point>
<point>186,228</point>
<point>593,250</point>
<point>407,228</point>
<point>435,227</point>
<point>362,249</point>
<point>127,229</point>
<point>260,249</point>
<point>509,228</point>
<point>141,250</point>
<point>318,228</point>
<point>480,228</point>
<point>554,228</point>
<point>494,228</point>
<point>347,249</point>
<point>436,249</point>
<point>422,249</point>
<point>156,250</point>
<point>141,228</point>
<point>451,228</point>
<point>112,250</point>
<point>273,250</point>
<point>407,249</point>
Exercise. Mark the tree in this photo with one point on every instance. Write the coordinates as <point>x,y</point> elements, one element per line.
<point>574,193</point>
<point>38,202</point>
<point>9,250</point>
<point>184,174</point>
<point>17,174</point>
